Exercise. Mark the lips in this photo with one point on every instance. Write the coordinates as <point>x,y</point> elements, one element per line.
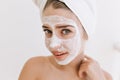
<point>60,55</point>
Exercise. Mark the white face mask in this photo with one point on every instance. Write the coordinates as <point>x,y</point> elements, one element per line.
<point>71,45</point>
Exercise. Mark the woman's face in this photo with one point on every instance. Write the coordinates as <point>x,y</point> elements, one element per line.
<point>63,34</point>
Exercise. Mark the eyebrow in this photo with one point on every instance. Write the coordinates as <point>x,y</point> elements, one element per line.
<point>44,26</point>
<point>64,26</point>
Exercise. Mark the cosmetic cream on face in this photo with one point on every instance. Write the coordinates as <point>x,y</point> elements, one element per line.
<point>72,45</point>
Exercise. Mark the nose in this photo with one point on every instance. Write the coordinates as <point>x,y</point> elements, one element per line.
<point>55,43</point>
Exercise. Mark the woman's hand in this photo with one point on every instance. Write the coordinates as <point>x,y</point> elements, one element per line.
<point>91,70</point>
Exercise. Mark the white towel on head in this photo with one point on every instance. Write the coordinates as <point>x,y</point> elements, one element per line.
<point>85,10</point>
<point>40,4</point>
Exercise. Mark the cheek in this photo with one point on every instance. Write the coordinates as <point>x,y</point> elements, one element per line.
<point>47,42</point>
<point>73,45</point>
<point>68,44</point>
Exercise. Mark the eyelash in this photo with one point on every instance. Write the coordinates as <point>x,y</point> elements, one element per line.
<point>48,31</point>
<point>67,31</point>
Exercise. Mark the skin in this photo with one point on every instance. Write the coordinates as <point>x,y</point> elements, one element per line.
<point>46,68</point>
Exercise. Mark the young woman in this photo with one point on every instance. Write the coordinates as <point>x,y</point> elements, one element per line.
<point>65,37</point>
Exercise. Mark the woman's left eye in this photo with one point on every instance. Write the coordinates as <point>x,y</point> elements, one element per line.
<point>65,31</point>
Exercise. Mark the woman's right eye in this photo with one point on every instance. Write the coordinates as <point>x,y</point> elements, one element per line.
<point>48,32</point>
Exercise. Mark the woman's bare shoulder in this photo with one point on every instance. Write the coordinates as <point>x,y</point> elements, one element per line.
<point>33,68</point>
<point>38,60</point>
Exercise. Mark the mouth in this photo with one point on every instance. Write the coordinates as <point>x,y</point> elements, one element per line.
<point>60,55</point>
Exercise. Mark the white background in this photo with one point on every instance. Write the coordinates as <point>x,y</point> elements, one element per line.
<point>21,36</point>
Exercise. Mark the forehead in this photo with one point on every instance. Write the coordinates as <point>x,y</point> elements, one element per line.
<point>57,20</point>
<point>50,11</point>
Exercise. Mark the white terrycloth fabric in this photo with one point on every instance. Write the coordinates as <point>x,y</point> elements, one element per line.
<point>85,10</point>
